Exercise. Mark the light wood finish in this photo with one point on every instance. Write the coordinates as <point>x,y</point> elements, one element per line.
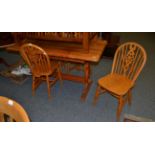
<point>41,66</point>
<point>129,61</point>
<point>72,53</point>
<point>13,110</point>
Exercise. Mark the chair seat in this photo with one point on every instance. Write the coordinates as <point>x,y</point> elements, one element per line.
<point>116,84</point>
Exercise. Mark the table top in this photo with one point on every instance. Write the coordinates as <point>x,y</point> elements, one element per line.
<point>71,51</point>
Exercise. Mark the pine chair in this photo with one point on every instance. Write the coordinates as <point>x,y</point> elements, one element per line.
<point>41,66</point>
<point>129,61</point>
<point>11,110</point>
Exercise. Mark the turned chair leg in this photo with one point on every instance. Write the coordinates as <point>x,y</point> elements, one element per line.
<point>96,95</point>
<point>119,108</point>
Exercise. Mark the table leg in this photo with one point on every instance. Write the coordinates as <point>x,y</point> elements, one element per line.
<point>87,81</point>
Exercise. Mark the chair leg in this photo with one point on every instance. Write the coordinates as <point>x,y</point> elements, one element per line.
<point>96,95</point>
<point>48,86</point>
<point>129,97</point>
<point>119,108</point>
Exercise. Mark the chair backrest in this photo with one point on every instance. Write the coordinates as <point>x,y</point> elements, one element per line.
<point>129,60</point>
<point>13,110</point>
<point>36,58</point>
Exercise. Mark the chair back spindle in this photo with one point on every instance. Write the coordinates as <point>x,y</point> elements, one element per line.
<point>129,60</point>
<point>37,59</point>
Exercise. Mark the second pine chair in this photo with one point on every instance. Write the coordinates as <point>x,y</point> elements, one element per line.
<point>128,62</point>
<point>41,66</point>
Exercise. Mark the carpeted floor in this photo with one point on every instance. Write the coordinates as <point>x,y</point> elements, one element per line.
<point>66,105</point>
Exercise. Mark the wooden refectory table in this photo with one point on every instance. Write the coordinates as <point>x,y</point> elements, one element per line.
<point>73,53</point>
